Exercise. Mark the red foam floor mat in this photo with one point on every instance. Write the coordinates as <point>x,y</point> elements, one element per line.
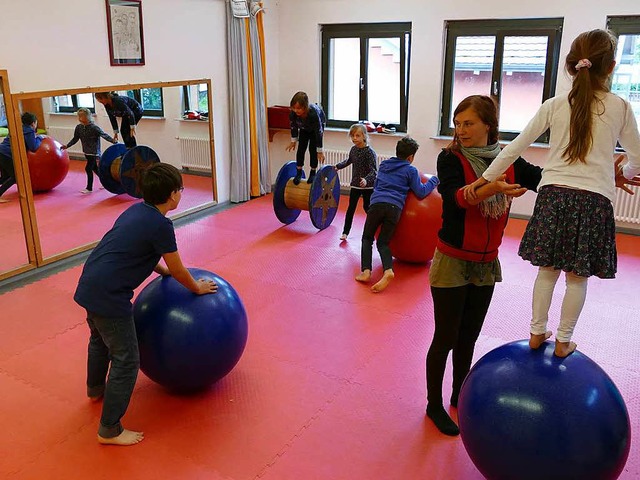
<point>331,384</point>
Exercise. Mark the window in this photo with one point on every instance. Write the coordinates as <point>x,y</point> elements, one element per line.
<point>515,61</point>
<point>149,98</point>
<point>71,103</point>
<point>625,80</point>
<point>195,99</point>
<point>365,73</point>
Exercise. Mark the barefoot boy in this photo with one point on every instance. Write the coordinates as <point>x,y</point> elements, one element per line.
<point>123,259</point>
<point>395,177</point>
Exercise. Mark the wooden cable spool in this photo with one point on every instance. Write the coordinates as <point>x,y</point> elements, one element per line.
<point>120,168</point>
<point>320,198</point>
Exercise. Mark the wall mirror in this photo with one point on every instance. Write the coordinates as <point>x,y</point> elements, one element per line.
<point>14,256</point>
<point>176,125</point>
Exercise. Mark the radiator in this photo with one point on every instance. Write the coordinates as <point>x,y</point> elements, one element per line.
<point>332,157</point>
<point>627,207</point>
<point>195,153</point>
<point>64,135</point>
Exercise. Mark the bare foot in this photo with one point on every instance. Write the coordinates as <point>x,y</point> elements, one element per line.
<point>536,340</point>
<point>97,398</point>
<point>4,200</point>
<point>564,349</point>
<point>364,276</point>
<point>127,437</point>
<point>384,281</point>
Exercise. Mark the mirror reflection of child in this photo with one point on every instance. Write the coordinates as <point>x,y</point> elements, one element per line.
<point>32,142</point>
<point>307,128</point>
<point>89,135</point>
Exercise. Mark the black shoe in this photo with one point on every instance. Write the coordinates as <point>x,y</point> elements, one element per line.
<point>296,179</point>
<point>442,420</point>
<point>312,175</point>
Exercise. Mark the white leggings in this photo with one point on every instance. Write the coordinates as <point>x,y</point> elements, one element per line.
<point>572,304</point>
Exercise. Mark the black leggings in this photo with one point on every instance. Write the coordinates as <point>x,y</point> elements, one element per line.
<point>90,168</point>
<point>7,174</point>
<point>354,196</point>
<point>125,130</point>
<point>305,139</point>
<point>459,314</point>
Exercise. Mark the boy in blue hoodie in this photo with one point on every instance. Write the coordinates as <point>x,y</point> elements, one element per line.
<point>395,177</point>
<point>32,142</point>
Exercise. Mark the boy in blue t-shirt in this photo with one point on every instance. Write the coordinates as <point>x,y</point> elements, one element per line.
<point>123,259</point>
<point>395,177</point>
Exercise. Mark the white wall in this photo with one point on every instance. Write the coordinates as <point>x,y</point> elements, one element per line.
<point>63,44</point>
<point>66,46</point>
<point>298,40</point>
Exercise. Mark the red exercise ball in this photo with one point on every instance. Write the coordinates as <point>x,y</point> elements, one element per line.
<point>48,165</point>
<point>415,238</point>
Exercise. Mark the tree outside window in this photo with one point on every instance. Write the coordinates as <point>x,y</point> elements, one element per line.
<point>195,98</point>
<point>150,99</point>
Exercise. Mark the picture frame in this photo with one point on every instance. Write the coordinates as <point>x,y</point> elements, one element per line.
<point>124,28</point>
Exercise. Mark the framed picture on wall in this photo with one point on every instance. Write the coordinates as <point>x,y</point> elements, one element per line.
<point>124,26</point>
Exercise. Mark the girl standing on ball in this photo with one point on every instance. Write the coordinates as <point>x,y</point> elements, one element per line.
<point>573,227</point>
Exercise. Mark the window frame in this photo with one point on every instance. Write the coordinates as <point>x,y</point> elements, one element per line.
<point>74,107</point>
<point>622,25</point>
<point>187,100</point>
<point>148,112</point>
<point>549,27</point>
<point>366,31</point>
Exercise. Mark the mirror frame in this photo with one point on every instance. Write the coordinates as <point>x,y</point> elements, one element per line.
<point>32,234</point>
<point>14,124</point>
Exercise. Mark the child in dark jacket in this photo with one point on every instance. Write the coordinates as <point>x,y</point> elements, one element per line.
<point>364,165</point>
<point>307,129</point>
<point>89,135</point>
<point>32,142</point>
<point>395,177</point>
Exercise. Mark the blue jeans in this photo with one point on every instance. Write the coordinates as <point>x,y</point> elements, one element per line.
<point>113,340</point>
<point>386,216</point>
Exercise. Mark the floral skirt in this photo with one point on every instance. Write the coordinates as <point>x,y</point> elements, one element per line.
<point>572,230</point>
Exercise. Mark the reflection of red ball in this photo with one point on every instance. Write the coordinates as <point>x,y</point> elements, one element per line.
<point>48,165</point>
<point>415,238</point>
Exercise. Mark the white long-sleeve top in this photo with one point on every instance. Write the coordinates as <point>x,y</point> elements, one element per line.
<point>616,123</point>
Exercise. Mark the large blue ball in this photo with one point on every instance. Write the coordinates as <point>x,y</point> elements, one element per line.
<point>188,342</point>
<point>527,414</point>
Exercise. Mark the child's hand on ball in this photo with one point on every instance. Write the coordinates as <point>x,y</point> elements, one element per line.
<point>206,286</point>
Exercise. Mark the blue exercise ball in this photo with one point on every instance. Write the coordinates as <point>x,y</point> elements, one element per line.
<point>527,414</point>
<point>188,342</point>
